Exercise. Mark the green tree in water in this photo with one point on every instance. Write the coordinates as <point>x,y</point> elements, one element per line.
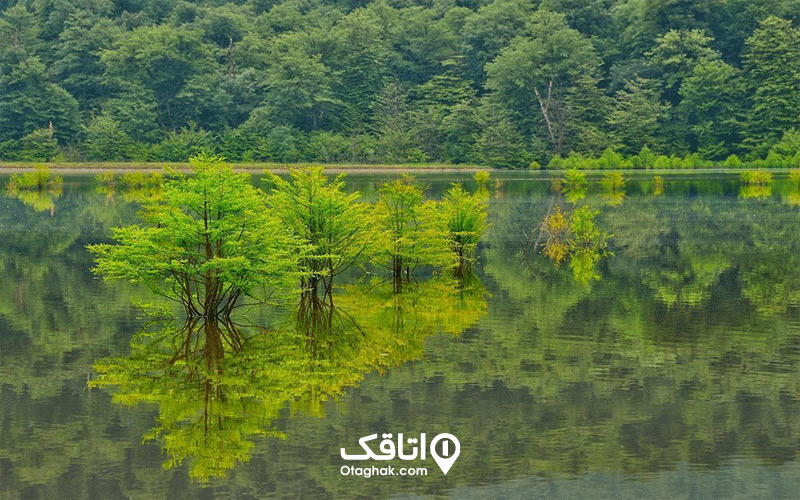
<point>330,223</point>
<point>466,222</point>
<point>206,243</point>
<point>412,231</point>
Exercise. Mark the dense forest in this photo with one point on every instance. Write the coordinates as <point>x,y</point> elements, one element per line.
<point>509,83</point>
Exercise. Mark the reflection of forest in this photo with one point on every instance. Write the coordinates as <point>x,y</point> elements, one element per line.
<point>684,351</point>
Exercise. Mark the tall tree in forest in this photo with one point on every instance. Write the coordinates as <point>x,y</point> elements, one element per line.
<point>772,61</point>
<point>533,75</point>
<point>712,103</point>
<point>159,60</point>
<point>635,116</point>
<point>29,101</point>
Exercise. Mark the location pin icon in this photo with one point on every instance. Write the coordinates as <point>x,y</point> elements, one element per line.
<point>449,456</point>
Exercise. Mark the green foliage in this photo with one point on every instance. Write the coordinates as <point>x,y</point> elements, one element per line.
<point>538,71</point>
<point>756,177</point>
<point>39,145</point>
<point>498,83</point>
<point>575,238</point>
<point>635,116</point>
<point>205,243</point>
<point>482,176</point>
<point>40,179</point>
<point>732,161</point>
<point>106,140</point>
<point>28,101</point>
<point>613,181</point>
<point>658,185</point>
<point>574,180</point>
<point>773,64</point>
<point>587,246</point>
<point>412,231</point>
<point>332,226</point>
<point>465,216</point>
<point>183,144</point>
<point>142,179</point>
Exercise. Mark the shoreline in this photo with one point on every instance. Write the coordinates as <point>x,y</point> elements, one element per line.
<point>283,168</point>
<point>90,168</point>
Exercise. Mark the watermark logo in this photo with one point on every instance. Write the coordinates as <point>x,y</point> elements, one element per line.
<point>444,449</point>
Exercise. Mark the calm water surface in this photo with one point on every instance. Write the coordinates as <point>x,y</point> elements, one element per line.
<point>674,375</point>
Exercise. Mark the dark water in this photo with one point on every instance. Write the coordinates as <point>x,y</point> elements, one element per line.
<point>674,375</point>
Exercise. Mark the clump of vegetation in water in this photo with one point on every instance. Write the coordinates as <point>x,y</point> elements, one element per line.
<point>466,223</point>
<point>794,177</point>
<point>38,189</point>
<point>411,231</point>
<point>481,176</point>
<point>556,230</point>
<point>756,184</point>
<point>205,244</point>
<point>575,182</point>
<point>140,180</point>
<point>614,187</point>
<point>575,238</point>
<point>613,182</point>
<point>756,177</point>
<point>105,178</point>
<point>588,244</point>
<point>40,180</point>
<point>331,224</point>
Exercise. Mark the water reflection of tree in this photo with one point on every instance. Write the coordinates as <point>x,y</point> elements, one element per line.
<point>572,237</point>
<point>41,200</point>
<point>212,406</point>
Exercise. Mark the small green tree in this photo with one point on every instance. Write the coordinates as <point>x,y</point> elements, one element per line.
<point>106,140</point>
<point>206,243</point>
<point>466,222</point>
<point>412,229</point>
<point>330,223</point>
<point>39,145</point>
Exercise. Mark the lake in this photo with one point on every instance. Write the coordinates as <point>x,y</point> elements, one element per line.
<point>675,373</point>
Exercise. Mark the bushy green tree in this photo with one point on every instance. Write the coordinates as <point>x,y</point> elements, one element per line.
<point>162,60</point>
<point>713,97</point>
<point>206,243</point>
<point>465,215</point>
<point>28,101</point>
<point>635,116</point>
<point>105,140</point>
<point>772,61</point>
<point>332,226</point>
<point>534,73</point>
<point>412,231</point>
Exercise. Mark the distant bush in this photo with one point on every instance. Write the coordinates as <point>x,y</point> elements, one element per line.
<point>178,146</point>
<point>756,177</point>
<point>482,176</point>
<point>40,179</point>
<point>328,147</point>
<point>138,180</point>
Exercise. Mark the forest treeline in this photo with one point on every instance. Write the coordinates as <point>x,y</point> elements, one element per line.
<point>508,83</point>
